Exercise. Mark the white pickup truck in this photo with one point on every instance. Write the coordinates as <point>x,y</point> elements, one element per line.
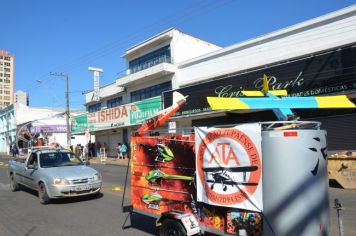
<point>54,173</point>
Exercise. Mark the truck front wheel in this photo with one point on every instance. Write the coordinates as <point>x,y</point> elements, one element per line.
<point>42,194</point>
<point>172,228</point>
<point>14,186</point>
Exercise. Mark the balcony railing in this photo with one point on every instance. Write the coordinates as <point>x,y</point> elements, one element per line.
<point>150,63</point>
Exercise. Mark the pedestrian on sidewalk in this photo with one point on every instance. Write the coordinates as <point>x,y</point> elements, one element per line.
<point>124,150</point>
<point>14,150</point>
<point>97,148</point>
<point>119,153</point>
<point>86,152</point>
<point>91,149</point>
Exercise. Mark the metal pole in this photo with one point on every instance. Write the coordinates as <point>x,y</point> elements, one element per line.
<point>67,105</point>
<point>69,136</point>
<point>339,209</point>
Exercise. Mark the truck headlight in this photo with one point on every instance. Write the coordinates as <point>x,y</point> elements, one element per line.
<point>60,181</point>
<point>97,177</point>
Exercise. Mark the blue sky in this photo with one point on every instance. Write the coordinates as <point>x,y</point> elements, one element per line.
<point>70,35</point>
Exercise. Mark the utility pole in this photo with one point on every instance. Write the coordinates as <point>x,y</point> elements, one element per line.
<point>65,76</point>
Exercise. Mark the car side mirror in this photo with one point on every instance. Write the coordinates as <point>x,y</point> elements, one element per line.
<point>32,167</point>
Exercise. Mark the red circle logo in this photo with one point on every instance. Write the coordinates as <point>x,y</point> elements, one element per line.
<point>229,166</point>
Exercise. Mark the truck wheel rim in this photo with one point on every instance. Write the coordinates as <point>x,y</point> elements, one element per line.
<point>172,232</point>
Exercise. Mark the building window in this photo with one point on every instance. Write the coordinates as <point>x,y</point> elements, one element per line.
<point>149,92</point>
<point>94,107</point>
<point>7,81</point>
<point>7,58</point>
<point>151,59</point>
<point>7,64</point>
<point>7,92</point>
<point>114,102</point>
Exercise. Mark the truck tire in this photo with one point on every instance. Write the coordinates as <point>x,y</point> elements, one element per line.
<point>172,228</point>
<point>42,194</point>
<point>14,186</point>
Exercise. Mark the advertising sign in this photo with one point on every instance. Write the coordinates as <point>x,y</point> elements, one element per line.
<point>229,166</point>
<point>109,118</point>
<point>79,124</point>
<point>326,73</point>
<point>49,129</point>
<point>144,109</point>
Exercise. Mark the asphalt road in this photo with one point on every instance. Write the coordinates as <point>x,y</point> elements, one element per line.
<point>21,214</point>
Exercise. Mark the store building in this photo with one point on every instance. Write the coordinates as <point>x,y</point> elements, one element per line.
<point>151,70</point>
<point>315,57</point>
<point>19,122</point>
<point>7,128</point>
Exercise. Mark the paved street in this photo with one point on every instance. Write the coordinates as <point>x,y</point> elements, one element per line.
<point>23,215</point>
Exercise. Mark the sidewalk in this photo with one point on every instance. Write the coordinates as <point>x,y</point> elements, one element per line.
<point>109,161</point>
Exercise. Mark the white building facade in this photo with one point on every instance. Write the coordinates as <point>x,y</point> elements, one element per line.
<point>315,57</point>
<point>151,70</point>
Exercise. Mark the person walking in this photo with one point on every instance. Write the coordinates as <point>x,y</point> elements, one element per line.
<point>86,152</point>
<point>91,149</point>
<point>124,151</point>
<point>119,154</point>
<point>106,151</point>
<point>97,149</point>
<point>13,150</point>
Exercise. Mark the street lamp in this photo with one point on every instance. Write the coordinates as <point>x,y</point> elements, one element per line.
<point>67,105</point>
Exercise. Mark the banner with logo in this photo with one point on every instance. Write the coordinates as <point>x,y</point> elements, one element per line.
<point>229,166</point>
<point>142,110</point>
<point>79,124</point>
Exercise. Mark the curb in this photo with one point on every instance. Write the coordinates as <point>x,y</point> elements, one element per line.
<point>109,162</point>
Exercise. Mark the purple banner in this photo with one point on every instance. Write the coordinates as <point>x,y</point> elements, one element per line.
<point>49,129</point>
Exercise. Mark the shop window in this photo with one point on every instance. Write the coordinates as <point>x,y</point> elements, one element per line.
<point>114,102</point>
<point>94,107</point>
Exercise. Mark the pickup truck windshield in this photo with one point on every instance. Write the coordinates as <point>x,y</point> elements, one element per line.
<point>58,159</point>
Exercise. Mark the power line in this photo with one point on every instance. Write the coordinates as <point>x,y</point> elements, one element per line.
<point>108,49</point>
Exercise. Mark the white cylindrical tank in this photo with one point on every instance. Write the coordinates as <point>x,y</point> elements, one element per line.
<point>295,183</point>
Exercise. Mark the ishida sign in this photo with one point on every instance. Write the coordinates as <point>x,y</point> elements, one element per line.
<point>128,114</point>
<point>326,73</point>
<point>109,118</point>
